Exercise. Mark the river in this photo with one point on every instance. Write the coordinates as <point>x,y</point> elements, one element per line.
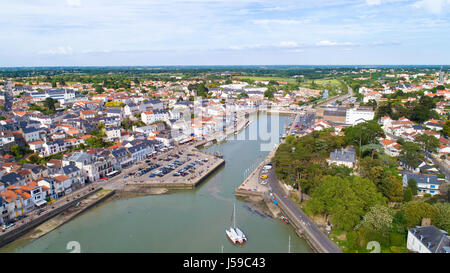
<point>182,221</point>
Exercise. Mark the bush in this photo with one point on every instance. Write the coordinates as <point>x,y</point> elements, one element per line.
<point>352,241</point>
<point>397,249</point>
<point>397,239</point>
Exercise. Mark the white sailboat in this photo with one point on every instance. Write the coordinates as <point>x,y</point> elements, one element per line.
<point>234,234</point>
<point>289,245</point>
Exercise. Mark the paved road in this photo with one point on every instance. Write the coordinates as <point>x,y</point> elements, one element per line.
<point>320,238</point>
<point>341,98</point>
<point>49,207</point>
<point>443,167</point>
<point>327,245</point>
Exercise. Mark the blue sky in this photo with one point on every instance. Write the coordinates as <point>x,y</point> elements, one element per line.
<point>223,32</point>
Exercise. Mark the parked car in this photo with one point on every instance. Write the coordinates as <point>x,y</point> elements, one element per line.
<point>8,226</point>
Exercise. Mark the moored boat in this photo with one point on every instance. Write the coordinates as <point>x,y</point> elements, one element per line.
<point>284,219</point>
<point>234,234</point>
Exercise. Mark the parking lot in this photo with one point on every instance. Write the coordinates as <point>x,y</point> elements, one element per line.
<point>179,167</point>
<point>183,164</point>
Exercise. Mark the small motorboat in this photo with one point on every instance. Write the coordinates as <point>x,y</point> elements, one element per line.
<point>284,219</point>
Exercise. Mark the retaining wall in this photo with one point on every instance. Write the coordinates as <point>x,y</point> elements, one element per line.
<point>12,235</point>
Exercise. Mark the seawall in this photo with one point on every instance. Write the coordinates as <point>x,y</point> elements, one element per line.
<point>19,231</point>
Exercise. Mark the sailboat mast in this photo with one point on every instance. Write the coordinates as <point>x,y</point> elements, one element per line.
<point>289,246</point>
<point>234,215</point>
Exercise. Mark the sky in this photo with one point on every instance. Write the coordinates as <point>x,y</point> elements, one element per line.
<point>223,32</point>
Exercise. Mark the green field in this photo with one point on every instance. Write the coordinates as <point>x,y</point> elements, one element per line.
<point>266,78</point>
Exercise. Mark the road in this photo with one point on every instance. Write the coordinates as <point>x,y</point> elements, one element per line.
<point>342,98</point>
<point>320,238</point>
<point>315,234</point>
<point>442,166</point>
<point>8,96</point>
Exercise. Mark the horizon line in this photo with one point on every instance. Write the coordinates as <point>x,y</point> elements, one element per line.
<point>222,65</point>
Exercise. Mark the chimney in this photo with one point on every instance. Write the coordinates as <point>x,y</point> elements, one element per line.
<point>426,222</point>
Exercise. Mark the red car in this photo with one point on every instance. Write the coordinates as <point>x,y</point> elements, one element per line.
<point>104,178</point>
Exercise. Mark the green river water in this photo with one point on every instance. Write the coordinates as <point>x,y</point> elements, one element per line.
<point>182,221</point>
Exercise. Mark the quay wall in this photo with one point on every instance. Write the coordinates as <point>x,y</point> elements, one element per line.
<point>181,186</point>
<point>103,198</point>
<point>299,227</point>
<point>12,235</point>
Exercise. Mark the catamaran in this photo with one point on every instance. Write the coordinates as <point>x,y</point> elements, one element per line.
<point>235,235</point>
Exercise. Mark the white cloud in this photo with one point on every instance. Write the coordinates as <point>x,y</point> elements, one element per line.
<point>383,43</point>
<point>279,21</point>
<point>326,43</point>
<point>288,44</point>
<point>331,43</point>
<point>433,6</point>
<point>235,47</point>
<point>74,3</point>
<point>373,2</point>
<point>275,9</point>
<point>62,50</point>
<point>298,50</point>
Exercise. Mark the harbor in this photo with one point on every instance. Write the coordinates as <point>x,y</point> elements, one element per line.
<point>181,221</point>
<point>264,184</point>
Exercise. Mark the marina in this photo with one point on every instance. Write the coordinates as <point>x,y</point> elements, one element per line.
<point>193,220</point>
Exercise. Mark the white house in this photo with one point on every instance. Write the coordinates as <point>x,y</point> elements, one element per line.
<point>154,116</point>
<point>112,133</point>
<point>343,157</point>
<point>428,239</point>
<point>355,116</point>
<point>426,183</point>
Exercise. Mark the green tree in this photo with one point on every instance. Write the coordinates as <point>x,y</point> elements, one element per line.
<point>391,187</point>
<point>446,129</point>
<point>344,200</point>
<point>363,133</point>
<point>407,196</point>
<point>99,89</point>
<point>16,151</point>
<point>415,211</point>
<point>412,184</point>
<point>127,123</point>
<point>49,103</point>
<point>443,217</point>
<point>269,92</point>
<point>378,218</point>
<point>242,95</point>
<point>428,143</point>
<point>410,153</point>
<point>421,113</point>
